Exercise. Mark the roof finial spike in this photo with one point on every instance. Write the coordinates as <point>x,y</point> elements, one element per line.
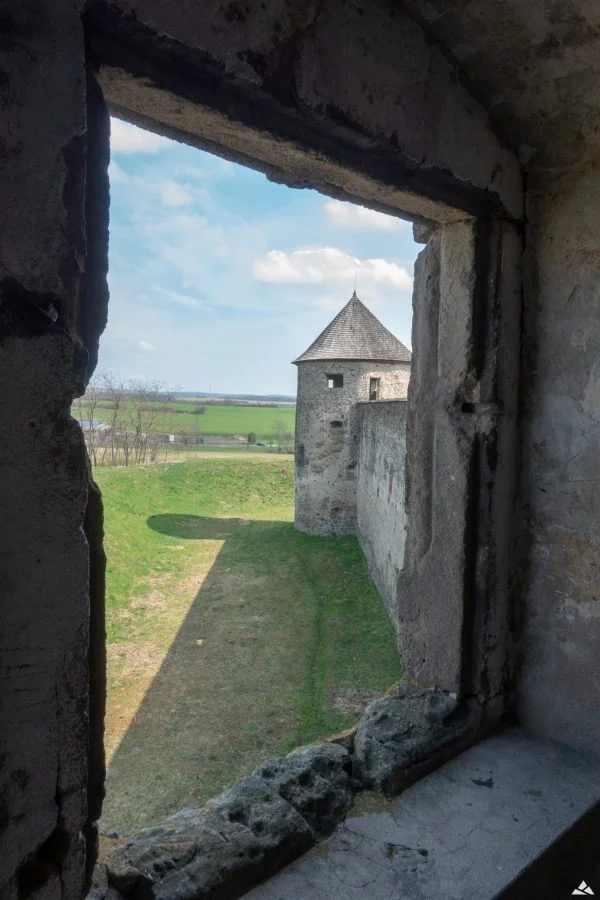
<point>354,295</point>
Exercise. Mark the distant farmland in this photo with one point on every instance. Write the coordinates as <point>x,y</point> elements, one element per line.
<point>218,421</point>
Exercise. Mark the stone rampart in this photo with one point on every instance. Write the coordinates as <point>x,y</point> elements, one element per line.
<point>380,508</point>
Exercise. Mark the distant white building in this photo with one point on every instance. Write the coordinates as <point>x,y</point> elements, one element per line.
<point>93,425</point>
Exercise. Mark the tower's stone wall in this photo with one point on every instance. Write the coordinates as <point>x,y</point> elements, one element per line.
<point>327,438</point>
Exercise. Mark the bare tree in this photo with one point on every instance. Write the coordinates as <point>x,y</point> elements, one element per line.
<point>138,411</point>
<point>198,411</point>
<point>137,420</point>
<point>86,408</point>
<point>148,404</point>
<point>113,391</point>
<point>283,436</point>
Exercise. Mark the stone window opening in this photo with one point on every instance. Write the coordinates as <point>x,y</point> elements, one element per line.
<point>452,604</point>
<point>422,451</point>
<point>335,380</point>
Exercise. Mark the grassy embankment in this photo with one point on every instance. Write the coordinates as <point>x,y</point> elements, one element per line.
<point>220,421</point>
<point>231,637</point>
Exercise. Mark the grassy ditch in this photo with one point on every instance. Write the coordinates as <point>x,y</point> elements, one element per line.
<point>231,637</point>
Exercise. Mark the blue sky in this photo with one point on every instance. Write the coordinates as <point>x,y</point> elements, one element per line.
<point>219,278</point>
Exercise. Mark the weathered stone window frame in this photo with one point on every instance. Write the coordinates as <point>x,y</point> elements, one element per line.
<point>335,381</point>
<point>453,596</point>
<point>374,387</point>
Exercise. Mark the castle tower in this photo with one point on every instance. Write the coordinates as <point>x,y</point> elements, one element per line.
<point>355,359</point>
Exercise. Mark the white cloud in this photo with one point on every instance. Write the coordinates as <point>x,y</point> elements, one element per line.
<point>116,174</point>
<point>182,299</point>
<point>319,265</point>
<point>182,271</point>
<point>212,169</point>
<point>178,226</point>
<point>330,301</point>
<point>173,194</point>
<point>349,215</point>
<point>127,138</point>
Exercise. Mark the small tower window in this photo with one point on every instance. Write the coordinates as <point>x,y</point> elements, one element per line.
<point>374,385</point>
<point>335,381</point>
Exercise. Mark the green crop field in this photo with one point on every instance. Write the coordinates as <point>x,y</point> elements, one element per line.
<point>232,638</point>
<point>222,421</point>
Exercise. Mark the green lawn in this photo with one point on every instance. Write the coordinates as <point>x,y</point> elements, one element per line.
<point>231,637</point>
<point>217,420</point>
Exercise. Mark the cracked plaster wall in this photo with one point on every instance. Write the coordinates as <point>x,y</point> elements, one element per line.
<point>559,689</point>
<point>536,68</point>
<point>364,77</point>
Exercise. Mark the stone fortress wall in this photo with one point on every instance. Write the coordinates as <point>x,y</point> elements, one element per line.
<point>350,456</point>
<point>380,508</point>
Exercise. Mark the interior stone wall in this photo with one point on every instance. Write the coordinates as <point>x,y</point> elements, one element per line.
<point>559,687</point>
<point>349,98</point>
<point>52,307</point>
<point>325,76</point>
<point>380,512</point>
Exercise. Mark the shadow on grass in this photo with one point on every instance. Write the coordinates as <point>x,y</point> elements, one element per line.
<point>190,527</point>
<point>283,642</point>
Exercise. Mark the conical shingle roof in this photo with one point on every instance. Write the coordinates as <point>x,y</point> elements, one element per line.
<point>356,333</point>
